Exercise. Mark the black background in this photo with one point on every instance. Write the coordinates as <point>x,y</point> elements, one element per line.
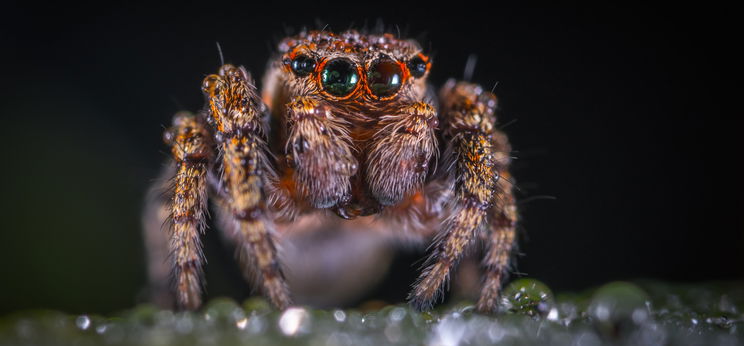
<point>624,115</point>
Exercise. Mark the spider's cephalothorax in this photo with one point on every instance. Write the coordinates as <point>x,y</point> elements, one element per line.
<point>345,123</point>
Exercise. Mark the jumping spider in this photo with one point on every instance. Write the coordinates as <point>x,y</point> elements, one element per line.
<point>346,136</point>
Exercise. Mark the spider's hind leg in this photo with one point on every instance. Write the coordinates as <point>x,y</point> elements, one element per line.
<point>475,162</point>
<point>175,215</point>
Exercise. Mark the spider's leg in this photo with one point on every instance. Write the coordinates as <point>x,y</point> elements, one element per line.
<point>471,167</point>
<point>319,152</point>
<point>187,195</point>
<point>500,239</point>
<point>239,119</point>
<point>398,159</point>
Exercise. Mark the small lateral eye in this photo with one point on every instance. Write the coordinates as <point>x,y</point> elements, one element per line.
<point>303,65</point>
<point>384,77</point>
<point>417,66</point>
<point>339,77</point>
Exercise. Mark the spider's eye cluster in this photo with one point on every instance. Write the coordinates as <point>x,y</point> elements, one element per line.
<point>384,77</point>
<point>303,65</point>
<point>339,77</point>
<point>417,66</point>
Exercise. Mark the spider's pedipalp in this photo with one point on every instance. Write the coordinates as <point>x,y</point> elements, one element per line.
<point>399,157</point>
<point>320,153</point>
<point>238,116</point>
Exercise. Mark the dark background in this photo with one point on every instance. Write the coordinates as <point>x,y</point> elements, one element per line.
<point>624,115</point>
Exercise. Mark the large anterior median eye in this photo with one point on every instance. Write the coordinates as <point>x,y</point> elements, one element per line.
<point>384,77</point>
<point>339,77</point>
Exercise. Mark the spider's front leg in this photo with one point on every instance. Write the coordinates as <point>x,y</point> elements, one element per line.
<point>238,115</point>
<point>475,166</point>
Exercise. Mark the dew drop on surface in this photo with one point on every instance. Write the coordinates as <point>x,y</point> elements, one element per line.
<point>241,323</point>
<point>448,332</point>
<point>618,301</point>
<point>602,312</point>
<point>528,296</point>
<point>82,322</point>
<point>256,324</point>
<point>397,314</point>
<point>293,321</point>
<point>553,314</point>
<point>639,315</point>
<point>339,316</point>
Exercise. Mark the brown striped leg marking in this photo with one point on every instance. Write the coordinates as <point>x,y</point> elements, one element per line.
<point>501,231</point>
<point>189,140</point>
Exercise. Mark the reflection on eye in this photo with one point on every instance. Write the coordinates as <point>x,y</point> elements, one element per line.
<point>417,66</point>
<point>339,77</point>
<point>384,77</point>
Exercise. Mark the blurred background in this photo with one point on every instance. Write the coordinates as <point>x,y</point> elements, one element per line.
<point>623,115</point>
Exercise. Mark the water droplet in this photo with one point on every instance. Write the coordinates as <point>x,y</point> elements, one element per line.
<point>294,321</point>
<point>339,316</point>
<point>397,314</point>
<point>82,322</point>
<point>617,300</point>
<point>527,296</point>
<point>618,307</point>
<point>241,323</point>
<point>449,331</point>
<point>553,314</point>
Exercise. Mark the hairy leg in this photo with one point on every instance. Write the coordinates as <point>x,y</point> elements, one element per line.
<point>471,167</point>
<point>501,232</point>
<point>239,118</point>
<point>187,195</point>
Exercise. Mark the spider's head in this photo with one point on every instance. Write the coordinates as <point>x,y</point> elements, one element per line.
<point>353,67</point>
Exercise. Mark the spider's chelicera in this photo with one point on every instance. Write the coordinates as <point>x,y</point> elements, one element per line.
<point>344,123</point>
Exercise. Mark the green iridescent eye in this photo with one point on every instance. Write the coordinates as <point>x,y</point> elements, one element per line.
<point>339,77</point>
<point>385,77</point>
